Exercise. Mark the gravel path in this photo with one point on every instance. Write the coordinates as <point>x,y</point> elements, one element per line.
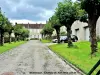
<point>33,58</point>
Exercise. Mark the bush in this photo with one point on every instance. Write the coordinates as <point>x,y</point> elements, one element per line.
<point>6,39</point>
<point>34,39</point>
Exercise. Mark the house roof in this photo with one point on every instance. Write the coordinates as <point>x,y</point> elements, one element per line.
<point>33,26</point>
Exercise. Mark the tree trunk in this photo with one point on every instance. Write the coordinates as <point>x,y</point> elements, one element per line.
<point>50,36</point>
<point>92,27</point>
<point>42,36</point>
<point>23,39</point>
<point>69,32</point>
<point>2,38</point>
<point>58,34</point>
<point>15,37</point>
<point>9,37</point>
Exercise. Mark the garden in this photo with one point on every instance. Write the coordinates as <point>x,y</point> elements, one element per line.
<point>83,55</point>
<point>79,55</point>
<point>11,35</point>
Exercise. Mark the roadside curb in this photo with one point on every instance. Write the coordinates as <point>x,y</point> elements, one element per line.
<point>70,64</point>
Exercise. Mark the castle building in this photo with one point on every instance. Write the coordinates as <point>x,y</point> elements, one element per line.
<point>34,29</point>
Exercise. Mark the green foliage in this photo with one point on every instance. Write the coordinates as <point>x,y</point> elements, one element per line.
<point>81,13</point>
<point>34,39</point>
<point>25,33</point>
<point>5,26</point>
<point>21,33</point>
<point>2,22</point>
<point>55,22</point>
<point>18,29</point>
<point>9,27</point>
<point>48,30</point>
<point>66,13</point>
<point>91,6</point>
<point>63,33</point>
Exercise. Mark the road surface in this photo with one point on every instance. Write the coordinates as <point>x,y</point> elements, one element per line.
<point>33,58</point>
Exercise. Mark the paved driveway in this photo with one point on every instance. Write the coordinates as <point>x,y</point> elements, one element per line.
<point>33,58</point>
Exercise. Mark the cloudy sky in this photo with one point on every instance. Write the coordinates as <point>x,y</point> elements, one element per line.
<point>31,11</point>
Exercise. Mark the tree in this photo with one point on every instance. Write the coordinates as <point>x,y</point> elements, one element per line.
<point>25,33</point>
<point>63,33</point>
<point>2,27</point>
<point>81,13</point>
<point>48,30</point>
<point>18,31</point>
<point>92,7</point>
<point>56,25</point>
<point>9,29</point>
<point>67,14</point>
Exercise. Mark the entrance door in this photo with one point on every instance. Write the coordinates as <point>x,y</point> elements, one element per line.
<point>87,33</point>
<point>77,33</point>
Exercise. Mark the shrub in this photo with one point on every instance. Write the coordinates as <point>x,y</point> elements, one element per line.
<point>34,39</point>
<point>6,39</point>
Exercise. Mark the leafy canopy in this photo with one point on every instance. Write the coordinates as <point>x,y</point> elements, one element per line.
<point>2,21</point>
<point>48,28</point>
<point>66,12</point>
<point>55,22</point>
<point>18,29</point>
<point>91,6</point>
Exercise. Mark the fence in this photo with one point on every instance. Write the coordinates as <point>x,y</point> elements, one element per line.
<point>94,68</point>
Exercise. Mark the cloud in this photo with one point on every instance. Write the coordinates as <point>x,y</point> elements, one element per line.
<point>24,21</point>
<point>33,10</point>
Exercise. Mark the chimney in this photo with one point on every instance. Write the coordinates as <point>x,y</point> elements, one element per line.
<point>28,25</point>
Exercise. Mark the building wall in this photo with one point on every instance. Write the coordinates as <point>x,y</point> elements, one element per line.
<point>98,27</point>
<point>77,25</point>
<point>35,33</point>
<point>62,29</point>
<point>83,30</point>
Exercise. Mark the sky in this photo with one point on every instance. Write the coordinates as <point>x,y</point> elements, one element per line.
<point>28,11</point>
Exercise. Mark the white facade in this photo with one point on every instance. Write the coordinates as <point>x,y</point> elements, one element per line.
<point>35,33</point>
<point>81,30</point>
<point>62,29</point>
<point>78,29</point>
<point>34,29</point>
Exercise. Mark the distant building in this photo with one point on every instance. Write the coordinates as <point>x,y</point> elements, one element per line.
<point>34,29</point>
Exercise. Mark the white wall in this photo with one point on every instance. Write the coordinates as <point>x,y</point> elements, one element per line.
<point>62,29</point>
<point>35,33</point>
<point>79,25</point>
<point>98,27</point>
<point>83,33</point>
<point>86,34</point>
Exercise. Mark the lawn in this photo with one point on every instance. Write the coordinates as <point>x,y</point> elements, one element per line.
<point>8,46</point>
<point>79,55</point>
<point>45,41</point>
